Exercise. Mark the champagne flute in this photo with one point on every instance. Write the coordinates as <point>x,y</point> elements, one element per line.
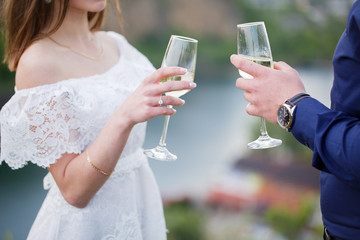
<point>253,44</point>
<point>181,52</point>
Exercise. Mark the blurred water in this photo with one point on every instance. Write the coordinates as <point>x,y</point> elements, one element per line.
<point>211,131</point>
<point>207,134</point>
<point>21,195</point>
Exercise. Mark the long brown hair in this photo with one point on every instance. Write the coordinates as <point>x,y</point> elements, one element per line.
<point>25,20</point>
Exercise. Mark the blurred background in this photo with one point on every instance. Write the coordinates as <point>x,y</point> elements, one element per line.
<point>217,189</point>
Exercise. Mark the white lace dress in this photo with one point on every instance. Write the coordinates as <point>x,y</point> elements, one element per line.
<point>41,123</point>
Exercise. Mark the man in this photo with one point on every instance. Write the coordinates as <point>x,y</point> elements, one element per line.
<point>279,96</point>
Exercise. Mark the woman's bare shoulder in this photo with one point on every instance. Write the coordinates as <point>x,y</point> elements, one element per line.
<point>110,44</point>
<point>38,65</point>
<point>107,39</point>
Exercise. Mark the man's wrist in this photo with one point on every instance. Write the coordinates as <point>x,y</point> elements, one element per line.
<point>285,113</point>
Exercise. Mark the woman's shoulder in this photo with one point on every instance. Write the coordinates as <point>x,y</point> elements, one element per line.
<point>111,39</point>
<point>128,49</point>
<point>116,37</point>
<point>113,35</point>
<point>38,65</point>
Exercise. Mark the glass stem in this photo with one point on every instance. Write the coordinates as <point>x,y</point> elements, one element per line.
<point>164,133</point>
<point>263,131</point>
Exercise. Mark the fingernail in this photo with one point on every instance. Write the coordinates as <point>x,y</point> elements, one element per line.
<point>184,70</point>
<point>183,101</point>
<point>174,111</point>
<point>192,84</point>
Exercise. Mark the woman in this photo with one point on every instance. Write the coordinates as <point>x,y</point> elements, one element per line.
<point>80,103</point>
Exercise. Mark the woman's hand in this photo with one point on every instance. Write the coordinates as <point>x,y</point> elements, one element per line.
<point>78,187</point>
<point>269,88</point>
<point>143,103</point>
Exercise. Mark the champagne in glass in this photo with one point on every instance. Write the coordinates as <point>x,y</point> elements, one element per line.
<point>186,77</point>
<point>180,52</point>
<point>253,44</point>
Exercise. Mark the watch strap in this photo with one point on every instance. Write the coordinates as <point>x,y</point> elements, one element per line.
<point>296,99</point>
<point>291,104</point>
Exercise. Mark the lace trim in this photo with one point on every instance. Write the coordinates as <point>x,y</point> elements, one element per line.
<point>39,131</point>
<point>40,124</point>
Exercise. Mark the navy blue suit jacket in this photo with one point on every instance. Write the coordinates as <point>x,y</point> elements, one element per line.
<point>334,136</point>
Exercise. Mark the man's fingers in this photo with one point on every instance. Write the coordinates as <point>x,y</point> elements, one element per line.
<point>251,110</point>
<point>248,85</point>
<point>247,66</point>
<point>282,66</point>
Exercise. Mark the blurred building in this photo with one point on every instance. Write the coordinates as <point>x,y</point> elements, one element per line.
<point>259,182</point>
<point>325,7</point>
<point>197,17</point>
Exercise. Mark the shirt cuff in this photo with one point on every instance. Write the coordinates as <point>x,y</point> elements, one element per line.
<point>305,119</point>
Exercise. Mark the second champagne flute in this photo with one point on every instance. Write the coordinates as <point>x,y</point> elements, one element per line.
<point>253,44</point>
<point>180,52</point>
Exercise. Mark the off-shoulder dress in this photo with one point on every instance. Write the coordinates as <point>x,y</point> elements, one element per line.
<point>39,124</point>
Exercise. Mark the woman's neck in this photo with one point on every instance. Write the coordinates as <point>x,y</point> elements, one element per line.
<point>75,27</point>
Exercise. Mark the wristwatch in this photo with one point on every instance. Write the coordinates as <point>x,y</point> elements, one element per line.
<point>286,110</point>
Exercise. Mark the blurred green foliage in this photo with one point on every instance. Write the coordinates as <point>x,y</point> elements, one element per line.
<point>6,77</point>
<point>8,236</point>
<point>295,35</point>
<point>184,221</point>
<point>289,223</point>
<point>290,145</point>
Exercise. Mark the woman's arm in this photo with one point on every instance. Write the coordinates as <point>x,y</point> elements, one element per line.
<point>76,178</point>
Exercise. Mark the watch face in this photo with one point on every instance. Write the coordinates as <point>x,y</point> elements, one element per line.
<point>284,117</point>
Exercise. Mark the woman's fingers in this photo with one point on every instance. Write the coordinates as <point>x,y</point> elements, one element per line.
<point>167,100</point>
<point>175,86</point>
<point>149,95</point>
<point>161,111</point>
<point>165,72</point>
<point>160,88</point>
<point>156,88</point>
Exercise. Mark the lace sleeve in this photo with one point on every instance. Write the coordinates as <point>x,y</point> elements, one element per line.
<point>38,125</point>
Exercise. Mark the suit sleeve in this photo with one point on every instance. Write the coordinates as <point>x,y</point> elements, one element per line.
<point>334,138</point>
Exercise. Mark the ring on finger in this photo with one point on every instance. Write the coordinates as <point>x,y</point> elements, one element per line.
<point>160,101</point>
